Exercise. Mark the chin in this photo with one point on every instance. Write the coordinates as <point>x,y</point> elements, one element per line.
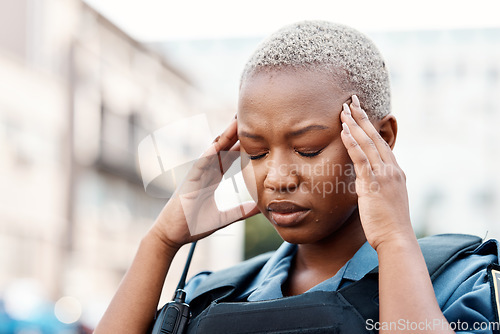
<point>299,236</point>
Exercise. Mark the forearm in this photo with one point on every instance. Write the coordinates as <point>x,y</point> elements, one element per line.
<point>406,294</point>
<point>135,302</point>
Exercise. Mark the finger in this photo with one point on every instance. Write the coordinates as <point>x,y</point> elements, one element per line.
<point>360,136</point>
<point>201,225</point>
<point>207,161</point>
<point>363,121</point>
<point>209,170</point>
<point>243,211</point>
<point>228,138</point>
<point>361,163</point>
<point>212,167</point>
<point>235,148</point>
<point>229,217</point>
<point>228,158</point>
<point>211,157</point>
<point>232,154</point>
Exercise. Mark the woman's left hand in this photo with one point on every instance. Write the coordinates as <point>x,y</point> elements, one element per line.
<point>380,182</point>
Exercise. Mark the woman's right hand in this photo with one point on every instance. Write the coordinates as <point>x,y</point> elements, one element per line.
<point>191,213</point>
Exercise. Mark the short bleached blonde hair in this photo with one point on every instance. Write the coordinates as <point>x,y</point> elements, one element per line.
<point>349,56</point>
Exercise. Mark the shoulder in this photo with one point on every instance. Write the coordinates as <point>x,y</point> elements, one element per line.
<point>469,264</point>
<point>463,288</point>
<point>469,267</point>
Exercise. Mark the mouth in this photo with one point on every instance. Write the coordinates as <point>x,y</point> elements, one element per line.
<point>285,213</point>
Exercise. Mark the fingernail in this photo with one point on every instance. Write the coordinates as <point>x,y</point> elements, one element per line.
<point>355,101</point>
<point>236,115</point>
<point>347,111</point>
<point>345,128</point>
<point>216,139</point>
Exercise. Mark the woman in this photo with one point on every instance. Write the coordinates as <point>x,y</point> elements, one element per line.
<point>315,134</point>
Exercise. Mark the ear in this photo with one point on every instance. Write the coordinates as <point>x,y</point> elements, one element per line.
<point>388,129</point>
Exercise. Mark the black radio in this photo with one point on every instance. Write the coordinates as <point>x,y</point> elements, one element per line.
<point>174,316</point>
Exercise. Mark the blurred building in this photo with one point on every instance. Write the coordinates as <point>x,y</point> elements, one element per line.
<point>445,86</point>
<point>77,95</point>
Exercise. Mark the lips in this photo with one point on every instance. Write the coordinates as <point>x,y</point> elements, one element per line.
<point>285,213</point>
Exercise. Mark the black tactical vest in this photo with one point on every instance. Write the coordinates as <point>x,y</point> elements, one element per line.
<point>347,310</point>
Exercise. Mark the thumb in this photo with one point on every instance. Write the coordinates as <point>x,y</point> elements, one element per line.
<point>227,217</point>
<point>240,212</point>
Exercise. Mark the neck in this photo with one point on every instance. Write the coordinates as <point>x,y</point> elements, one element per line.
<point>328,255</point>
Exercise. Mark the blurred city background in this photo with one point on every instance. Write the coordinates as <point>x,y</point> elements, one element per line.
<point>82,83</point>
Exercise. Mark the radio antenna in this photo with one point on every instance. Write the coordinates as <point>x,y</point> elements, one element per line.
<point>182,281</point>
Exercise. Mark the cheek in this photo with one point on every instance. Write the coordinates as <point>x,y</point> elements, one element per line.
<point>341,184</point>
<point>332,178</point>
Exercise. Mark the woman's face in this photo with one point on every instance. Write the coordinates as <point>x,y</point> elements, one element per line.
<point>294,162</point>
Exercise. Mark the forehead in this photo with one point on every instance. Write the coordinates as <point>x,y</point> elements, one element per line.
<point>290,96</point>
<point>295,79</point>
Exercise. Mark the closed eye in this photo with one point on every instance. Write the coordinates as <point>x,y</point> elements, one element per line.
<point>309,154</point>
<point>304,154</point>
<point>256,157</point>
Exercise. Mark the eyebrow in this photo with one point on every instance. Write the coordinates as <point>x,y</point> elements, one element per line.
<point>308,128</point>
<point>249,135</point>
<point>291,134</point>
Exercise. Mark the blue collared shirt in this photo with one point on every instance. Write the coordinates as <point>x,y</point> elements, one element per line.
<point>462,289</point>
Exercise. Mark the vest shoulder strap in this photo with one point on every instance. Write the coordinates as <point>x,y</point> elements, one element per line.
<point>221,284</point>
<point>442,249</point>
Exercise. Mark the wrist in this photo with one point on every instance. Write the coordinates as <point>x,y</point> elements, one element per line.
<point>159,241</point>
<point>395,239</point>
<point>398,243</point>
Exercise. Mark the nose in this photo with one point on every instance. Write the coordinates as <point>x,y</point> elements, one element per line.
<point>281,176</point>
